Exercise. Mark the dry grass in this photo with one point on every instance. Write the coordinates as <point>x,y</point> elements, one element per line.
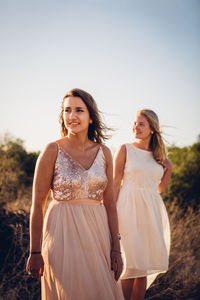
<point>15,284</point>
<point>23,201</point>
<point>182,281</point>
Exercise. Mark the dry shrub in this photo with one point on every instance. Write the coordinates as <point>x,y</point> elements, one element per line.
<point>15,284</point>
<point>23,201</point>
<point>182,281</point>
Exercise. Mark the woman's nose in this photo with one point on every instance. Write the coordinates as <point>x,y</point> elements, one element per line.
<point>72,114</point>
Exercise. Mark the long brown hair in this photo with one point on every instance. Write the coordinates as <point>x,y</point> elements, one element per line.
<point>157,145</point>
<point>97,129</point>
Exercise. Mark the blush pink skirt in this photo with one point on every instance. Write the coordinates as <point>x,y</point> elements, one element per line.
<point>76,250</point>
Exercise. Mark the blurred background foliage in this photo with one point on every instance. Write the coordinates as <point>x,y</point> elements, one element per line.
<point>17,169</point>
<point>184,187</point>
<point>16,172</point>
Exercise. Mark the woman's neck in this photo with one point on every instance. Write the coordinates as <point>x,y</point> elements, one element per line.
<point>143,144</point>
<point>79,142</point>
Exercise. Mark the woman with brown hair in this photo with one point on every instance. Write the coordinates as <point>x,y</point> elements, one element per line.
<point>80,256</point>
<point>141,172</point>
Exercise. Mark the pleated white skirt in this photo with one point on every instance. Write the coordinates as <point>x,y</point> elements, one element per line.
<point>145,231</point>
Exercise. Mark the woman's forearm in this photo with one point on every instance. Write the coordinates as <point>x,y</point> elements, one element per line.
<point>113,226</point>
<point>117,186</point>
<point>36,225</point>
<point>165,180</point>
<point>116,190</point>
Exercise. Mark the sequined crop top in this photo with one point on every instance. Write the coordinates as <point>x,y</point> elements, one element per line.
<point>71,181</point>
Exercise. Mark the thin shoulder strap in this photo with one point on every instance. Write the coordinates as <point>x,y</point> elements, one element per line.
<point>127,146</point>
<point>58,147</point>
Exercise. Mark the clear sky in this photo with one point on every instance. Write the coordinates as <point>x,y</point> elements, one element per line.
<point>128,54</point>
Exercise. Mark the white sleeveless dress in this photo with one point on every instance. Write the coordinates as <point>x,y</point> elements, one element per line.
<point>143,219</point>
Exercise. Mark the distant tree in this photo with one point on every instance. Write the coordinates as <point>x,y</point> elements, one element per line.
<point>184,187</point>
<point>16,168</point>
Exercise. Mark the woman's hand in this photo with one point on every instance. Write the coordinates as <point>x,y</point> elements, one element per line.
<point>166,164</point>
<point>116,263</point>
<point>35,266</point>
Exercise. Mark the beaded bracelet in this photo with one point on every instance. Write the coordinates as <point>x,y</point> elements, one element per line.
<point>119,236</point>
<point>35,252</point>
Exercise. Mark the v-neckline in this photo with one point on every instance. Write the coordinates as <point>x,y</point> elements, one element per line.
<point>76,161</point>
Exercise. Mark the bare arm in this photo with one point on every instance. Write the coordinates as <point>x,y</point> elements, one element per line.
<point>119,164</point>
<point>166,177</point>
<point>110,206</point>
<point>41,186</point>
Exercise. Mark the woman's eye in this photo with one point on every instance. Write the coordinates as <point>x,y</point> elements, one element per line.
<point>79,110</point>
<point>67,110</point>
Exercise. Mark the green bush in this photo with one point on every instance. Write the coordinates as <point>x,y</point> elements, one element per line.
<point>16,168</point>
<point>184,187</point>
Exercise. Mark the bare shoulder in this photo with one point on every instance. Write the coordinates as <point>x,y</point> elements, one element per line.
<point>121,152</point>
<point>122,148</point>
<point>49,153</point>
<point>51,148</point>
<point>106,151</point>
<point>107,154</point>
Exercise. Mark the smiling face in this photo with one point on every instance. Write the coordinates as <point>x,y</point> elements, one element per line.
<point>75,115</point>
<point>141,128</point>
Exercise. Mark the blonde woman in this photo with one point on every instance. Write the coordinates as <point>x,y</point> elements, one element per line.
<point>141,172</point>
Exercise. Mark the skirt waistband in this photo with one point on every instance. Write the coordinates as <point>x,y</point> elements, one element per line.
<point>81,201</point>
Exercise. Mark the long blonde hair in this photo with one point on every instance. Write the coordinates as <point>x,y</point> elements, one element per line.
<point>157,145</point>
